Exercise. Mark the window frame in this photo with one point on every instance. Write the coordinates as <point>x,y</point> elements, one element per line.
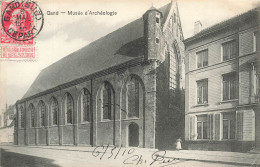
<point>198,55</point>
<point>134,86</point>
<point>42,117</point>
<point>204,83</point>
<point>202,130</point>
<point>173,70</point>
<point>66,109</point>
<point>32,113</point>
<point>230,79</point>
<point>222,50</point>
<point>54,103</point>
<point>22,118</point>
<point>110,104</point>
<point>228,130</point>
<point>86,93</point>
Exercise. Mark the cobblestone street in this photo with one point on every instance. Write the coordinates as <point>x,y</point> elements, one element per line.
<point>56,156</point>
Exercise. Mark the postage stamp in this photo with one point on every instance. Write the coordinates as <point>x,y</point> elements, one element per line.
<point>21,22</point>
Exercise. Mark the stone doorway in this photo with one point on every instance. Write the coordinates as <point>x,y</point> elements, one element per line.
<point>133,135</point>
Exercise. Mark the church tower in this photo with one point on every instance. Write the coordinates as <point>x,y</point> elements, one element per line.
<point>152,33</point>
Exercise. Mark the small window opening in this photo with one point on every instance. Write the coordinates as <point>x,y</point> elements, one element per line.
<point>157,40</point>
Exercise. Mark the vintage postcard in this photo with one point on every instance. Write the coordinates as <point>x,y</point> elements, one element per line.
<point>129,83</point>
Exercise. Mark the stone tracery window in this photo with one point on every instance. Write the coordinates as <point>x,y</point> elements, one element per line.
<point>33,115</point>
<point>54,111</point>
<point>69,108</point>
<point>133,92</point>
<point>107,101</point>
<point>22,117</point>
<point>85,105</point>
<point>42,113</point>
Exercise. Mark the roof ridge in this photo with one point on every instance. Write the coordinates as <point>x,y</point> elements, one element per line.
<point>97,40</point>
<point>96,56</point>
<point>223,22</point>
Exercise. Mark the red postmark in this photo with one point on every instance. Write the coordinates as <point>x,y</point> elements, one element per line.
<point>21,21</point>
<point>12,52</point>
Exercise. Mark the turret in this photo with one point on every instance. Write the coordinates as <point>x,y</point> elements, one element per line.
<point>152,33</point>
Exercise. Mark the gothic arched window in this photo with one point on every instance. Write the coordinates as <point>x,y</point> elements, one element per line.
<point>174,68</point>
<point>22,117</point>
<point>42,113</point>
<point>33,115</point>
<point>134,96</point>
<point>54,111</point>
<point>69,108</point>
<point>85,105</point>
<point>108,95</point>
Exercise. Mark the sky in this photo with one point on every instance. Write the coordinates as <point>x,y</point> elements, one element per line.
<point>64,34</point>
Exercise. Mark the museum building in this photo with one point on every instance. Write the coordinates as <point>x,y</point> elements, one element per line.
<point>222,87</point>
<point>124,89</point>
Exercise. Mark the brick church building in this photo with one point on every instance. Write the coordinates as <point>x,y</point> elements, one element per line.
<point>124,89</point>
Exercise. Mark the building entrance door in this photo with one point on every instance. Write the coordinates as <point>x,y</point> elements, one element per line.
<point>133,135</point>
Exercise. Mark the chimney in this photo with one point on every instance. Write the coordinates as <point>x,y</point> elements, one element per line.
<point>197,27</point>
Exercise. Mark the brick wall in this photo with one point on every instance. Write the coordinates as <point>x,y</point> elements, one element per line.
<point>104,132</point>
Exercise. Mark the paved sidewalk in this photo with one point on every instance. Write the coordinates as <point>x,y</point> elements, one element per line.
<point>218,157</point>
<point>249,159</point>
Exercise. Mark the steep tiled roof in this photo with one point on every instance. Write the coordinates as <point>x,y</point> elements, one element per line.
<point>120,46</point>
<point>230,22</point>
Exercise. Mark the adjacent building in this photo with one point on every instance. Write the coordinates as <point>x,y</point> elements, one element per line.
<point>7,127</point>
<point>222,85</point>
<point>124,89</point>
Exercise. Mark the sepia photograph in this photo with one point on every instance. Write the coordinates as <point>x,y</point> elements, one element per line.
<point>144,83</point>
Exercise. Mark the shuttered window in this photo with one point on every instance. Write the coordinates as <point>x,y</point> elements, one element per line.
<point>229,50</point>
<point>210,126</point>
<point>239,129</point>
<point>217,126</point>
